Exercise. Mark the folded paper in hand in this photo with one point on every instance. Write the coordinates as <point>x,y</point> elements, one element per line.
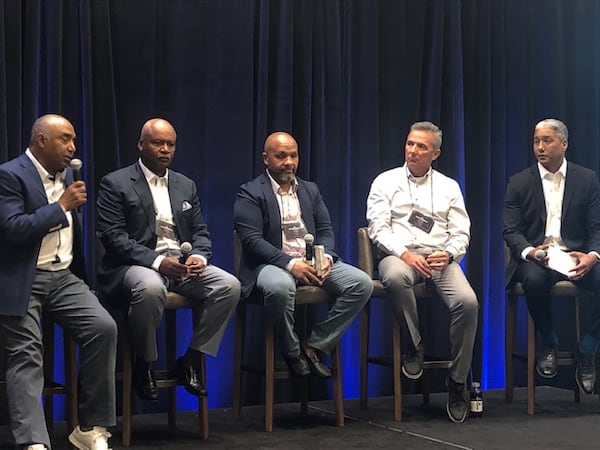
<point>560,261</point>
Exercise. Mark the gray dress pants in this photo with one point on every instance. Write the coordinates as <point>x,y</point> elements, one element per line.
<point>77,310</point>
<point>455,291</point>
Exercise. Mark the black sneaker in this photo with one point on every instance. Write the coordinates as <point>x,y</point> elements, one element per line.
<point>546,364</point>
<point>412,365</point>
<point>585,373</point>
<point>457,401</point>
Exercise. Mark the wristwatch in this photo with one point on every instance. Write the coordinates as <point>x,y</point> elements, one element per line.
<point>450,257</point>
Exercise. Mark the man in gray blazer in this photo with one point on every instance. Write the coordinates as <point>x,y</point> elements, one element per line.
<point>146,212</point>
<point>42,272</point>
<point>555,205</point>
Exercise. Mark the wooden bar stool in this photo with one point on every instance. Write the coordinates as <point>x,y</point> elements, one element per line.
<point>305,296</point>
<point>562,289</point>
<point>52,387</point>
<point>163,377</point>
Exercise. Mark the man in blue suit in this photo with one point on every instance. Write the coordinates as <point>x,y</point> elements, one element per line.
<point>41,273</point>
<point>272,215</point>
<point>146,212</point>
<point>552,205</point>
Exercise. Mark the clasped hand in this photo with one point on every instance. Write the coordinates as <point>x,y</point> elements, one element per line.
<point>424,265</point>
<point>307,274</point>
<point>585,262</point>
<point>172,268</point>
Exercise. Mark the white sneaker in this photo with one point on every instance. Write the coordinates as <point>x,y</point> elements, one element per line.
<point>95,439</point>
<point>36,447</point>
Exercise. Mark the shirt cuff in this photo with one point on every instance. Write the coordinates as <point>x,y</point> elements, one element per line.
<point>201,258</point>
<point>596,254</point>
<point>157,261</point>
<point>291,264</point>
<point>525,252</point>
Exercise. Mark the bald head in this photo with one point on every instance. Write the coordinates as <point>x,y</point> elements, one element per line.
<point>280,157</point>
<point>52,142</point>
<point>157,145</point>
<point>156,124</point>
<point>279,139</point>
<point>43,124</point>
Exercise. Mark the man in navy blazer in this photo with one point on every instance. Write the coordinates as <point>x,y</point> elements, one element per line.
<point>146,212</point>
<point>41,273</point>
<point>551,205</point>
<point>273,213</point>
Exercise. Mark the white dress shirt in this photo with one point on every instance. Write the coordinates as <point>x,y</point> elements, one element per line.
<point>56,251</point>
<point>393,197</point>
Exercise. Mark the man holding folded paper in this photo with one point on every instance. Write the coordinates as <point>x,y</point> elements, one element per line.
<point>552,226</point>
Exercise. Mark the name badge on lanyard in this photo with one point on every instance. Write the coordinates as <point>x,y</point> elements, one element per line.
<point>293,229</point>
<point>421,221</point>
<point>165,230</point>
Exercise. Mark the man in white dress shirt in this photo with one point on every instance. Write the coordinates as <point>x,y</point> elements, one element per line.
<point>418,221</point>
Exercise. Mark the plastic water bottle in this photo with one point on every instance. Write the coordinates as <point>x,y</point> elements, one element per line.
<point>476,405</point>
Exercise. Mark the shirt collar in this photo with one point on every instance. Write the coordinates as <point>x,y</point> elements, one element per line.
<point>44,174</point>
<point>417,180</point>
<point>151,175</point>
<point>277,187</point>
<point>562,170</point>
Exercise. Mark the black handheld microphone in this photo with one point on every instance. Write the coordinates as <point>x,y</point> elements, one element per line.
<point>426,252</point>
<point>309,256</point>
<point>185,248</point>
<point>76,165</point>
<point>540,254</point>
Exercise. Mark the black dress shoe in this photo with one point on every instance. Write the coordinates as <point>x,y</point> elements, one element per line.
<point>317,366</point>
<point>585,373</point>
<point>144,383</point>
<point>190,377</point>
<point>298,365</point>
<point>546,364</point>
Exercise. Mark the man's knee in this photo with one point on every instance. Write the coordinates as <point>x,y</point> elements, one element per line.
<point>148,290</point>
<point>470,305</point>
<point>232,288</point>
<point>280,290</point>
<point>363,285</point>
<point>105,326</point>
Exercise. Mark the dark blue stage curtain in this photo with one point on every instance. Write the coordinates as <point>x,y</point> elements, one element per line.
<point>345,77</point>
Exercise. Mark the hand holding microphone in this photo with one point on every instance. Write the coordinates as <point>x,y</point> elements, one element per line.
<point>309,255</point>
<point>540,256</point>
<point>195,267</point>
<point>75,194</point>
<point>185,248</point>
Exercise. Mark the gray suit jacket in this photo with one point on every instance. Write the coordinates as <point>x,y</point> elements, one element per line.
<point>525,212</point>
<point>126,221</point>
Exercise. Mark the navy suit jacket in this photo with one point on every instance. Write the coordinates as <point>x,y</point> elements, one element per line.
<point>25,218</point>
<point>258,223</point>
<point>126,223</point>
<point>525,212</point>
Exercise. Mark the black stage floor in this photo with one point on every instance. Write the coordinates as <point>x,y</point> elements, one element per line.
<point>559,423</point>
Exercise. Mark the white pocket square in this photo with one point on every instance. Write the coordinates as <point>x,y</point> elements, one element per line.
<point>186,205</point>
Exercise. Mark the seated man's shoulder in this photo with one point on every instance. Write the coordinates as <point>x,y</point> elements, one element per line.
<point>118,174</point>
